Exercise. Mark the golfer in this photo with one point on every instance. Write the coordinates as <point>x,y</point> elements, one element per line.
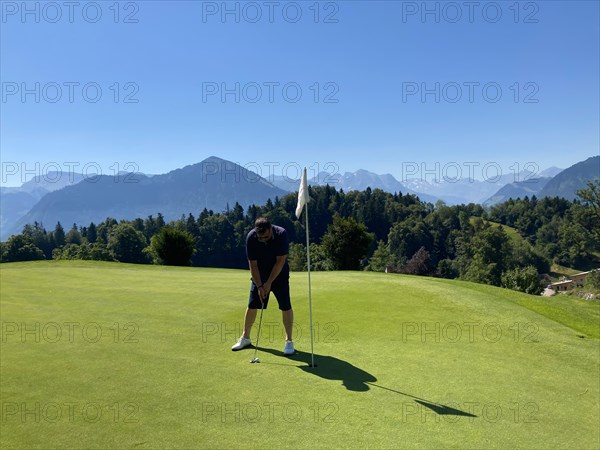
<point>267,247</point>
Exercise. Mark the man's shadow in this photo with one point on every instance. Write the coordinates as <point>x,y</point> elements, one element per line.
<point>330,368</point>
<point>354,378</point>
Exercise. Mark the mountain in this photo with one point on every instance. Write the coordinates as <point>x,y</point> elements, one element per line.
<point>362,179</point>
<point>453,193</point>
<point>554,182</point>
<point>550,172</point>
<point>52,181</point>
<point>570,180</point>
<point>285,183</point>
<point>14,204</point>
<point>213,184</point>
<point>353,181</point>
<point>321,179</point>
<point>518,190</point>
<point>470,190</point>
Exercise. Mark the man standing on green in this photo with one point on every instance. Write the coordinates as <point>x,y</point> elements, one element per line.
<point>267,247</point>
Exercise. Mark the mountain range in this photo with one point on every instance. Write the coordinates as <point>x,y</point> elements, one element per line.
<point>452,192</point>
<point>566,183</point>
<point>216,184</point>
<point>211,184</point>
<point>469,190</point>
<point>352,181</point>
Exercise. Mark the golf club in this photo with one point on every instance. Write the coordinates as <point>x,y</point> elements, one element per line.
<point>255,359</point>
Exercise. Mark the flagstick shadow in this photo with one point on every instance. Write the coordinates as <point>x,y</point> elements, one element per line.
<point>438,408</point>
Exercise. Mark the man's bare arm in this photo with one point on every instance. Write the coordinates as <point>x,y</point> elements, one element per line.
<point>254,272</point>
<point>279,263</point>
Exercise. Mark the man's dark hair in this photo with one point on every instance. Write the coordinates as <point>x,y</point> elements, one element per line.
<point>262,224</point>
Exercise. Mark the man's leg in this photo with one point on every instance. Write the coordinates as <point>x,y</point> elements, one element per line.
<point>253,304</point>
<point>288,323</point>
<point>282,292</point>
<point>249,319</point>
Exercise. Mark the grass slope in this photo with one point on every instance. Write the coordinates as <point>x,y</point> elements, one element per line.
<point>403,361</point>
<point>511,232</point>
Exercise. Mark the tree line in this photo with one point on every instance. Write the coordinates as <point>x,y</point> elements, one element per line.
<point>506,245</point>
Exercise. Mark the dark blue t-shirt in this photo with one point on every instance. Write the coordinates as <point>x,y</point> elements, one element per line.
<point>266,252</point>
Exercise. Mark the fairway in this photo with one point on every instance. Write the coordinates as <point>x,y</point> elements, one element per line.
<point>98,355</point>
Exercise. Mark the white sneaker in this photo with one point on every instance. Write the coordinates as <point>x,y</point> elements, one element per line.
<point>289,348</point>
<point>241,343</point>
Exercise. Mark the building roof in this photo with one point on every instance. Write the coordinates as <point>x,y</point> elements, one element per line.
<point>581,273</point>
<point>559,283</point>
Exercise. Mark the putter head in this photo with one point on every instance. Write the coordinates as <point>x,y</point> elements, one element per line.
<point>255,360</point>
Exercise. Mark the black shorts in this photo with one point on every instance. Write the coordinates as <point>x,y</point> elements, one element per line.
<point>282,294</point>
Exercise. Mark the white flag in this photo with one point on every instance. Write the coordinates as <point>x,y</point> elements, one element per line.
<point>302,195</point>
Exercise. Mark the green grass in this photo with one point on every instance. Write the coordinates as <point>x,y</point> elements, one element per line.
<point>558,271</point>
<point>512,233</point>
<point>392,370</point>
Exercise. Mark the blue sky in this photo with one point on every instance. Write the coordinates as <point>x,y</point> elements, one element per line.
<point>373,58</point>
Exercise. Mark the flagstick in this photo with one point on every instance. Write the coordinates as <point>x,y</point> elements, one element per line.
<point>312,352</point>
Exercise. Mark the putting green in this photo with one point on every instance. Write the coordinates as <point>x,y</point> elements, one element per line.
<point>98,355</point>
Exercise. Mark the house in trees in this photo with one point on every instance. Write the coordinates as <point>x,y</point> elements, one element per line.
<point>573,281</point>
